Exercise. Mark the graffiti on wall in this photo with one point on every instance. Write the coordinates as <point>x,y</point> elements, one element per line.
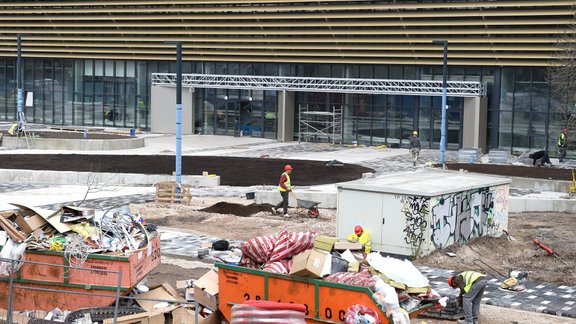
<point>462,216</point>
<point>499,219</point>
<point>416,210</point>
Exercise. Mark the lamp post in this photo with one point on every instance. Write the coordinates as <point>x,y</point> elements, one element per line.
<point>20,96</point>
<point>443,125</point>
<point>178,112</point>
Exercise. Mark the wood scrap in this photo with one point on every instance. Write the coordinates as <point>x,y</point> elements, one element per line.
<point>14,234</point>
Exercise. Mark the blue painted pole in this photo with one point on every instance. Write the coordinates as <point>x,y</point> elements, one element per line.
<point>178,114</point>
<point>20,95</point>
<point>444,85</point>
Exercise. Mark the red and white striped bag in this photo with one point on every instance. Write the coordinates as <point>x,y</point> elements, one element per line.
<point>361,279</point>
<point>246,262</point>
<point>253,312</point>
<point>289,244</point>
<point>259,248</point>
<point>281,266</point>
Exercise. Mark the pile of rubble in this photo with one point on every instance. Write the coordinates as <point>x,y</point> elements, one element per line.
<point>72,230</point>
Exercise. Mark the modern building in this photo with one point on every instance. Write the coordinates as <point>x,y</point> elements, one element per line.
<point>91,63</point>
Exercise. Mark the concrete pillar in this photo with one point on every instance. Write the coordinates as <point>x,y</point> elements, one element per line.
<point>163,110</point>
<point>285,118</point>
<point>475,123</point>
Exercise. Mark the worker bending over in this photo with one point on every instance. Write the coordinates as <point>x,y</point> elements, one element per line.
<point>360,236</point>
<point>472,285</point>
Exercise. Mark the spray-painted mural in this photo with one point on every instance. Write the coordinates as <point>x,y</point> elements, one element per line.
<point>462,216</point>
<point>416,210</point>
<point>454,218</point>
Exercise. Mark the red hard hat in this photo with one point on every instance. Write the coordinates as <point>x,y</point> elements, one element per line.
<point>451,281</point>
<point>358,229</point>
<point>287,167</point>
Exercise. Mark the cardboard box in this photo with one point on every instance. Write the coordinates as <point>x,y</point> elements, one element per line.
<point>30,223</point>
<point>345,245</point>
<point>324,243</point>
<point>163,292</point>
<point>308,264</point>
<point>183,315</point>
<point>353,266</point>
<point>206,290</point>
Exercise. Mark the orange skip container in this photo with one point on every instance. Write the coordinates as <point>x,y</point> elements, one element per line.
<point>325,302</point>
<point>91,281</point>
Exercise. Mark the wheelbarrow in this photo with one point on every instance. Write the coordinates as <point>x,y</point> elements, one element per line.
<point>303,205</point>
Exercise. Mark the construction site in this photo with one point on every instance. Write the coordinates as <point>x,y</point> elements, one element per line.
<point>96,230</point>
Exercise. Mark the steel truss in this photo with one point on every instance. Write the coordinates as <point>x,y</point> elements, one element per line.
<point>367,86</point>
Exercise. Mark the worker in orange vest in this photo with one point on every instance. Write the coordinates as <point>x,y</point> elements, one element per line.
<point>472,285</point>
<point>285,186</point>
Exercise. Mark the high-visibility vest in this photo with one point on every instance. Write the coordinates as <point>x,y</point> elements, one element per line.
<point>561,139</point>
<point>469,278</point>
<point>287,183</point>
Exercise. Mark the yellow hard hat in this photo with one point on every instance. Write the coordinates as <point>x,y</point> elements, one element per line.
<point>414,133</point>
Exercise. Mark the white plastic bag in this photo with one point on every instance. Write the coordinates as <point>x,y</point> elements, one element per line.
<point>400,271</point>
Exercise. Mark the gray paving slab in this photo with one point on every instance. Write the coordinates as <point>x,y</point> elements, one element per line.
<point>539,297</point>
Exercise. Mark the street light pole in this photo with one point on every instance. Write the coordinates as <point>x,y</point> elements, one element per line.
<point>20,95</point>
<point>178,113</point>
<point>443,125</point>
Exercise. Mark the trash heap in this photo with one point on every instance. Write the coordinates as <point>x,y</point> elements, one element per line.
<point>75,231</point>
<point>397,286</point>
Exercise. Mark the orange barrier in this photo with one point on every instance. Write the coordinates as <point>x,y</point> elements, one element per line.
<point>92,280</point>
<point>325,302</point>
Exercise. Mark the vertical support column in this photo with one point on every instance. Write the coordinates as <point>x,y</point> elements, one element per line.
<point>475,123</point>
<point>20,98</point>
<point>285,117</point>
<point>178,115</point>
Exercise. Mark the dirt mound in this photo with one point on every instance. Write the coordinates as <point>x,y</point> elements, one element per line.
<point>237,209</point>
<point>518,253</point>
<point>515,171</point>
<point>233,171</point>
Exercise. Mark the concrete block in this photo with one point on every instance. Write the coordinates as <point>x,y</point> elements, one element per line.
<point>74,144</point>
<point>516,205</point>
<point>564,205</point>
<point>539,205</point>
<point>325,199</point>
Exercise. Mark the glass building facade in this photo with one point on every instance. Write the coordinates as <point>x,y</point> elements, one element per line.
<point>116,93</point>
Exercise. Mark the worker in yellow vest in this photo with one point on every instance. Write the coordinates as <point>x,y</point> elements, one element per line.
<point>472,285</point>
<point>284,187</point>
<point>562,144</point>
<point>360,236</point>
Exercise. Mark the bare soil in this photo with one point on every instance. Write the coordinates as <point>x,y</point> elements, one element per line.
<point>233,171</point>
<point>538,172</point>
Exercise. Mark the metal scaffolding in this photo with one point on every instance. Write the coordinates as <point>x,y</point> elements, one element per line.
<point>367,86</point>
<point>320,125</point>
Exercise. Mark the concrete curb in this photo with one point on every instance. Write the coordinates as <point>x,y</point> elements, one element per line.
<point>71,177</point>
<point>73,144</point>
<point>521,204</point>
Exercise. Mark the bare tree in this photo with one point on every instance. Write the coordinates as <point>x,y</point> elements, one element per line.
<point>562,79</point>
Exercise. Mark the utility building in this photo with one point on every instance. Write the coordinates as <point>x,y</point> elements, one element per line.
<point>111,63</point>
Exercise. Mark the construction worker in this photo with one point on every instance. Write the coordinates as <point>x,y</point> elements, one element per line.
<point>542,156</point>
<point>360,236</point>
<point>13,130</point>
<point>415,147</point>
<point>284,187</point>
<point>472,285</point>
<point>562,144</point>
